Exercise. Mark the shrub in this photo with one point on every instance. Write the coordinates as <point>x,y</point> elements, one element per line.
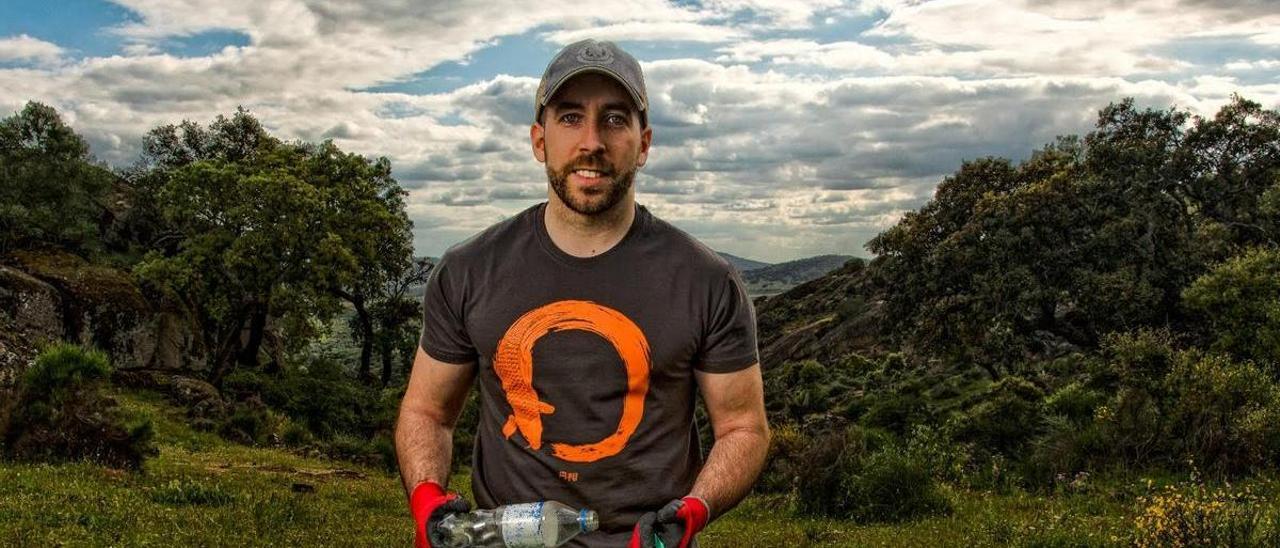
<point>1240,303</point>
<point>860,475</point>
<point>1223,414</point>
<point>1132,427</point>
<point>1005,418</point>
<point>1138,359</point>
<point>1075,402</point>
<point>780,469</point>
<point>1195,515</point>
<point>60,413</point>
<point>893,487</point>
<point>896,411</point>
<point>1066,449</point>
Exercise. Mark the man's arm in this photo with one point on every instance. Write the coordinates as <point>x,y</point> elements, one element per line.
<point>424,431</point>
<point>735,402</point>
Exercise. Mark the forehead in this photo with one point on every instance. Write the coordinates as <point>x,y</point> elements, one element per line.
<point>589,88</point>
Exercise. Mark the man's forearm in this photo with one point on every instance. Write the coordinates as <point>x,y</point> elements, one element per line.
<point>424,449</point>
<point>731,468</point>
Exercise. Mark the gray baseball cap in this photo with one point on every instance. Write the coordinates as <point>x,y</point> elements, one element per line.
<point>599,56</point>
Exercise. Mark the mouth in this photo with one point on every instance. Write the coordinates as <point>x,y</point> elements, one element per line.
<point>590,175</point>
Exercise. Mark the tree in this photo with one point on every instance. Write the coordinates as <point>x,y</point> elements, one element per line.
<point>50,190</point>
<point>1087,237</point>
<point>266,229</point>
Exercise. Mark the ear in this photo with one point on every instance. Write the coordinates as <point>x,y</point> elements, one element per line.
<point>538,139</point>
<point>646,137</point>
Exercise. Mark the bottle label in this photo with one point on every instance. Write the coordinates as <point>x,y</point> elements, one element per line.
<point>522,526</point>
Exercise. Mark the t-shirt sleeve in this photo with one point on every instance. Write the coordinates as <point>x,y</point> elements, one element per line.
<point>444,334</point>
<point>729,338</point>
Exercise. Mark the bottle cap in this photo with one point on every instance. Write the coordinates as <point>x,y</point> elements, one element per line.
<point>588,520</point>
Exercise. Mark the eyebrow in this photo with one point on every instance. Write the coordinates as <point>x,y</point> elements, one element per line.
<point>571,105</point>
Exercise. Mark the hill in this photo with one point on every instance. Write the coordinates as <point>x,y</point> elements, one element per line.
<point>742,264</point>
<point>777,278</point>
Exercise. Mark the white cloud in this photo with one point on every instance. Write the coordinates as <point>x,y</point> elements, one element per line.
<point>778,145</point>
<point>644,31</point>
<point>25,48</point>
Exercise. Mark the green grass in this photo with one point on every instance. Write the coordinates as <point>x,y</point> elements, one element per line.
<point>201,490</point>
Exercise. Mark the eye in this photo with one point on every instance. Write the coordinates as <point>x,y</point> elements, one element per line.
<point>617,120</point>
<point>571,118</point>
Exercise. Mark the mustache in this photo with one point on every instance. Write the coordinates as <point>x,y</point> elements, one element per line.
<point>594,162</point>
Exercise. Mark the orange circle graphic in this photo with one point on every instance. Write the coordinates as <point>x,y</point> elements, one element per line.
<point>513,362</point>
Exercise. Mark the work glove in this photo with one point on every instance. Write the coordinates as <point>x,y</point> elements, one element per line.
<point>675,525</point>
<point>429,504</point>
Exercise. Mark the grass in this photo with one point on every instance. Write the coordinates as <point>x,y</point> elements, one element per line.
<point>201,490</point>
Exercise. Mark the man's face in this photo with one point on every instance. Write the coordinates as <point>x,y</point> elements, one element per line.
<point>591,142</point>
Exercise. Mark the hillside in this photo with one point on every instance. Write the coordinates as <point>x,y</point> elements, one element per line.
<point>777,278</point>
<point>742,264</point>
<point>823,319</point>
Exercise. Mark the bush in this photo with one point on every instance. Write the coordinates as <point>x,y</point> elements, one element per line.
<point>1132,427</point>
<point>1136,359</point>
<point>785,446</point>
<point>1240,303</point>
<point>1005,418</point>
<point>860,475</point>
<point>1195,515</point>
<point>1075,402</point>
<point>60,413</point>
<point>1224,414</point>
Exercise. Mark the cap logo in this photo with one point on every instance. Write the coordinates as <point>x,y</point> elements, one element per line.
<point>595,54</point>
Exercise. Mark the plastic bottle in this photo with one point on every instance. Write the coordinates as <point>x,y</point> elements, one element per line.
<point>530,525</point>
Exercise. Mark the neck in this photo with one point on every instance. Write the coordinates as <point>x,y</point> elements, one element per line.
<point>588,235</point>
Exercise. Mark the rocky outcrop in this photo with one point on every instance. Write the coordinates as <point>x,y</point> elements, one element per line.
<point>824,319</point>
<point>30,315</point>
<point>49,295</point>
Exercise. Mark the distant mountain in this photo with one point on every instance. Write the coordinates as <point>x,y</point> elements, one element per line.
<point>741,264</point>
<point>777,278</point>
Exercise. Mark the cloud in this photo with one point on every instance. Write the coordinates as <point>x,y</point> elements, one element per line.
<point>25,48</point>
<point>682,31</point>
<point>777,131</point>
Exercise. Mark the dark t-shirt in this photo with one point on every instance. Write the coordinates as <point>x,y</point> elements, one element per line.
<point>586,364</point>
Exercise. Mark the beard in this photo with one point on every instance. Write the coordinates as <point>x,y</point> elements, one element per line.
<point>595,202</point>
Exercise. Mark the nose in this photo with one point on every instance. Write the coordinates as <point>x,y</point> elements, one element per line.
<point>591,142</point>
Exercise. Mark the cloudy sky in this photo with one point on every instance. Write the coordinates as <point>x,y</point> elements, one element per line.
<point>781,129</point>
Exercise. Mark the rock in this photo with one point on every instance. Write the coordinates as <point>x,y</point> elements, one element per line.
<point>201,400</point>
<point>30,315</point>
<point>104,307</point>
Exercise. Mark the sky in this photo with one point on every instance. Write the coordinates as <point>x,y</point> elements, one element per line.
<point>782,129</point>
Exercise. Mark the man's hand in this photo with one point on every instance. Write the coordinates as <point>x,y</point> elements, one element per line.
<point>676,524</point>
<point>430,504</point>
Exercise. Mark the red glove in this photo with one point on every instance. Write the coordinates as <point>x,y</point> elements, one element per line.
<point>429,504</point>
<point>676,524</point>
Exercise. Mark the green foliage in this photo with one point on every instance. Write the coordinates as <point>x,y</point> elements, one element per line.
<point>187,492</point>
<point>859,475</point>
<point>1005,418</point>
<point>1089,236</point>
<point>1075,402</point>
<point>255,228</point>
<point>50,190</point>
<point>1238,303</point>
<point>1198,515</point>
<point>1224,414</point>
<point>60,413</point>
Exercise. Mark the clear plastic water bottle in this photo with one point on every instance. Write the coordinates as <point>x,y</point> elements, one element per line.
<point>530,525</point>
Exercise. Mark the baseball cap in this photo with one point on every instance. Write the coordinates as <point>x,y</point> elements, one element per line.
<point>599,56</point>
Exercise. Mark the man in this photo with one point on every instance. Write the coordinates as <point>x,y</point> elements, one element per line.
<point>591,325</point>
